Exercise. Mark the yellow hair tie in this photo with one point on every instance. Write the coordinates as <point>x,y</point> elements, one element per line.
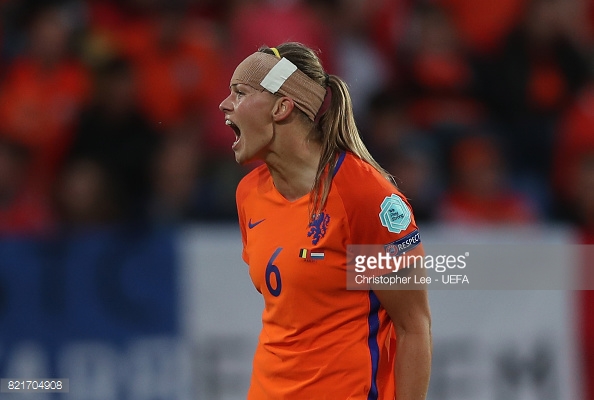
<point>275,51</point>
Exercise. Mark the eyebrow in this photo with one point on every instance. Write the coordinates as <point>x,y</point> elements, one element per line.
<point>235,85</point>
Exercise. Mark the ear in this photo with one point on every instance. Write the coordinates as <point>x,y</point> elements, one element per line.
<point>282,109</point>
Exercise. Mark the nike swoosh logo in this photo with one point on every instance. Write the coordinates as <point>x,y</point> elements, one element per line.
<point>252,225</point>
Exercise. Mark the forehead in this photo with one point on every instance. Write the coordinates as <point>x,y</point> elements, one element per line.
<point>253,69</point>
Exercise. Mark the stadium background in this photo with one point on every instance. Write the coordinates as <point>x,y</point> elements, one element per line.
<point>119,256</point>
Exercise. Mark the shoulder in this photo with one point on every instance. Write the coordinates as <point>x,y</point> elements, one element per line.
<point>359,182</point>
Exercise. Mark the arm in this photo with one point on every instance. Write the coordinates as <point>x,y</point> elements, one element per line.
<point>409,311</point>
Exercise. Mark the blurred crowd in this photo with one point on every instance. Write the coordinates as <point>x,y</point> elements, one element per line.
<point>482,110</point>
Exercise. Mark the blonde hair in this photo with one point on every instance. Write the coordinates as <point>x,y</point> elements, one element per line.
<point>335,129</point>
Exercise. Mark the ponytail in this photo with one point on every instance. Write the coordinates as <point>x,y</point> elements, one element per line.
<point>338,132</point>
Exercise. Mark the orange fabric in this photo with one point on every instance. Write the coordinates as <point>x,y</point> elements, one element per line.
<point>269,23</point>
<point>38,109</point>
<point>484,24</point>
<point>547,88</point>
<point>27,214</point>
<point>444,71</point>
<point>180,80</point>
<point>430,111</point>
<point>504,208</point>
<point>480,194</point>
<point>575,139</point>
<point>388,23</point>
<point>316,335</point>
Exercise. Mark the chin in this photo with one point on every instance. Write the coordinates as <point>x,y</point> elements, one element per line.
<point>241,159</point>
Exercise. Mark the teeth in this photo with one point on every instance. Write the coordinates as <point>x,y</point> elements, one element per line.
<point>230,124</point>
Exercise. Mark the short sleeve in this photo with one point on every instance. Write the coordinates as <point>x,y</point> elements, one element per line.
<point>377,213</point>
<point>384,218</point>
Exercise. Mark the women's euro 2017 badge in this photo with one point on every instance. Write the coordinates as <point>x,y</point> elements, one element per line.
<point>394,214</point>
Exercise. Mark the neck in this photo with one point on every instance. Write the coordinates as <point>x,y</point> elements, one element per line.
<point>294,169</point>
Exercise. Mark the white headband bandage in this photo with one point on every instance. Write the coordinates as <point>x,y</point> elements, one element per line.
<point>266,72</point>
<point>278,75</point>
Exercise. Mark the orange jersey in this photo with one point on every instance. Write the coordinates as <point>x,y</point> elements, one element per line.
<point>319,340</point>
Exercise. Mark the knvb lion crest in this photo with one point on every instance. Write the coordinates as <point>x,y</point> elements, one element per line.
<point>394,214</point>
<point>318,227</point>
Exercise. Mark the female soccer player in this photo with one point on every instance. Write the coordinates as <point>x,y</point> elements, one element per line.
<point>317,191</point>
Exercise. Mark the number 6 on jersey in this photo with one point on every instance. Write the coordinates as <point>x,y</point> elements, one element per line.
<point>273,269</point>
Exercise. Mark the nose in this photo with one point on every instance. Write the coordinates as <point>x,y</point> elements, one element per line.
<point>226,104</point>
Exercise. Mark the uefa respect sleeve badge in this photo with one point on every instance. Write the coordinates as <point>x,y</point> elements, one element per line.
<point>394,214</point>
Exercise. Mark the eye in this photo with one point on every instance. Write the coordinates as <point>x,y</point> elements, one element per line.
<point>238,91</point>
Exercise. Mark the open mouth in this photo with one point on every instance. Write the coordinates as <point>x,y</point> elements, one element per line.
<point>235,128</point>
